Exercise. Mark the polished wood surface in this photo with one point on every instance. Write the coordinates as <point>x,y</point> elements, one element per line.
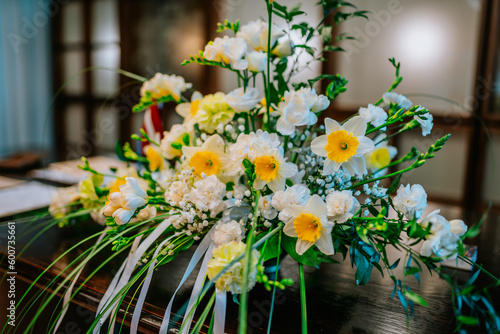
<point>335,303</point>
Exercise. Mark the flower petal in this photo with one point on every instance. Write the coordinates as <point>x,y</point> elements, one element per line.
<point>365,145</point>
<point>332,126</point>
<point>318,146</point>
<point>295,210</point>
<point>356,126</point>
<point>289,229</point>
<point>325,243</point>
<point>302,246</point>
<point>316,206</point>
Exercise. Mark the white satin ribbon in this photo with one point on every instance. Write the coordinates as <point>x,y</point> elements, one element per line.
<point>200,250</point>
<point>144,289</point>
<point>68,293</point>
<point>129,268</point>
<point>195,294</point>
<point>220,311</point>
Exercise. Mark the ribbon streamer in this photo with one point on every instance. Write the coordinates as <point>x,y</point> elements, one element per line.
<point>220,311</point>
<point>200,250</point>
<point>68,293</point>
<point>129,268</point>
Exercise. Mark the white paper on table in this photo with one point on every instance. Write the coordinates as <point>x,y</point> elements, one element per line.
<point>25,197</point>
<point>7,182</point>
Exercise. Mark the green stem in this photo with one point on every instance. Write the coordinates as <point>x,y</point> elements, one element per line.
<point>268,90</point>
<point>274,287</point>
<point>243,312</point>
<point>303,304</point>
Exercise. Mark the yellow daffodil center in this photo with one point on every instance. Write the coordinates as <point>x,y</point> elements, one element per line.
<point>195,105</point>
<point>155,160</point>
<point>341,146</point>
<point>205,162</point>
<point>308,227</point>
<point>380,158</point>
<point>266,167</point>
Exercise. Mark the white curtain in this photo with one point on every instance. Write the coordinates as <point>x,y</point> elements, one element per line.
<point>25,76</point>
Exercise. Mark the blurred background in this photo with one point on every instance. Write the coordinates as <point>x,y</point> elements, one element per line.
<point>449,51</point>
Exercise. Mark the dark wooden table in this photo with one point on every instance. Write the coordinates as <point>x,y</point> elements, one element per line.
<point>335,303</point>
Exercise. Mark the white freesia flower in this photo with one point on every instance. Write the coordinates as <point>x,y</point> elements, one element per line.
<point>61,199</point>
<point>426,124</point>
<point>147,213</point>
<point>257,61</point>
<point>298,108</point>
<point>243,100</point>
<point>255,33</point>
<point>284,48</point>
<point>341,205</point>
<point>163,85</point>
<point>373,115</point>
<point>398,99</point>
<point>343,146</point>
<point>232,279</point>
<point>444,236</point>
<point>309,224</point>
<point>227,232</point>
<point>208,193</point>
<point>271,169</point>
<point>411,200</point>
<point>177,131</point>
<point>298,194</point>
<point>122,205</point>
<point>229,50</point>
<point>266,207</point>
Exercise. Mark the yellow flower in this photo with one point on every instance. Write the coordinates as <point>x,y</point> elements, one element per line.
<point>209,158</point>
<point>272,169</point>
<point>232,279</point>
<point>154,157</point>
<point>381,156</point>
<point>309,224</point>
<point>343,146</point>
<point>212,111</point>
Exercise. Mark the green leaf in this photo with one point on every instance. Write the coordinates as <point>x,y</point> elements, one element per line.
<point>185,139</point>
<point>273,249</point>
<point>469,321</point>
<point>411,271</point>
<point>395,264</point>
<point>394,185</point>
<point>176,145</point>
<point>416,298</point>
<point>309,258</point>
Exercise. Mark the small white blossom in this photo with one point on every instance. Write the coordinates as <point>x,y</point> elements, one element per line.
<point>227,232</point>
<point>411,200</point>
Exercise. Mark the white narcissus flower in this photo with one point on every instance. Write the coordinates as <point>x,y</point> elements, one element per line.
<point>243,99</point>
<point>208,193</point>
<point>381,156</point>
<point>209,159</point>
<point>298,194</point>
<point>343,146</point>
<point>373,115</point>
<point>411,200</point>
<point>298,108</point>
<point>255,33</point>
<point>309,224</point>
<point>189,110</point>
<point>426,124</point>
<point>272,169</point>
<point>227,232</point>
<point>341,205</point>
<point>229,50</point>
<point>398,99</point>
<point>444,236</point>
<point>257,61</point>
<point>232,279</point>
<point>163,85</point>
<point>122,205</point>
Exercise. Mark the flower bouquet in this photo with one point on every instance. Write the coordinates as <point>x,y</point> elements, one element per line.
<point>258,173</point>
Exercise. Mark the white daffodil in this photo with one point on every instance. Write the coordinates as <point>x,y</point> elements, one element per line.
<point>209,159</point>
<point>381,156</point>
<point>177,131</point>
<point>122,205</point>
<point>272,169</point>
<point>343,146</point>
<point>188,110</point>
<point>309,224</point>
